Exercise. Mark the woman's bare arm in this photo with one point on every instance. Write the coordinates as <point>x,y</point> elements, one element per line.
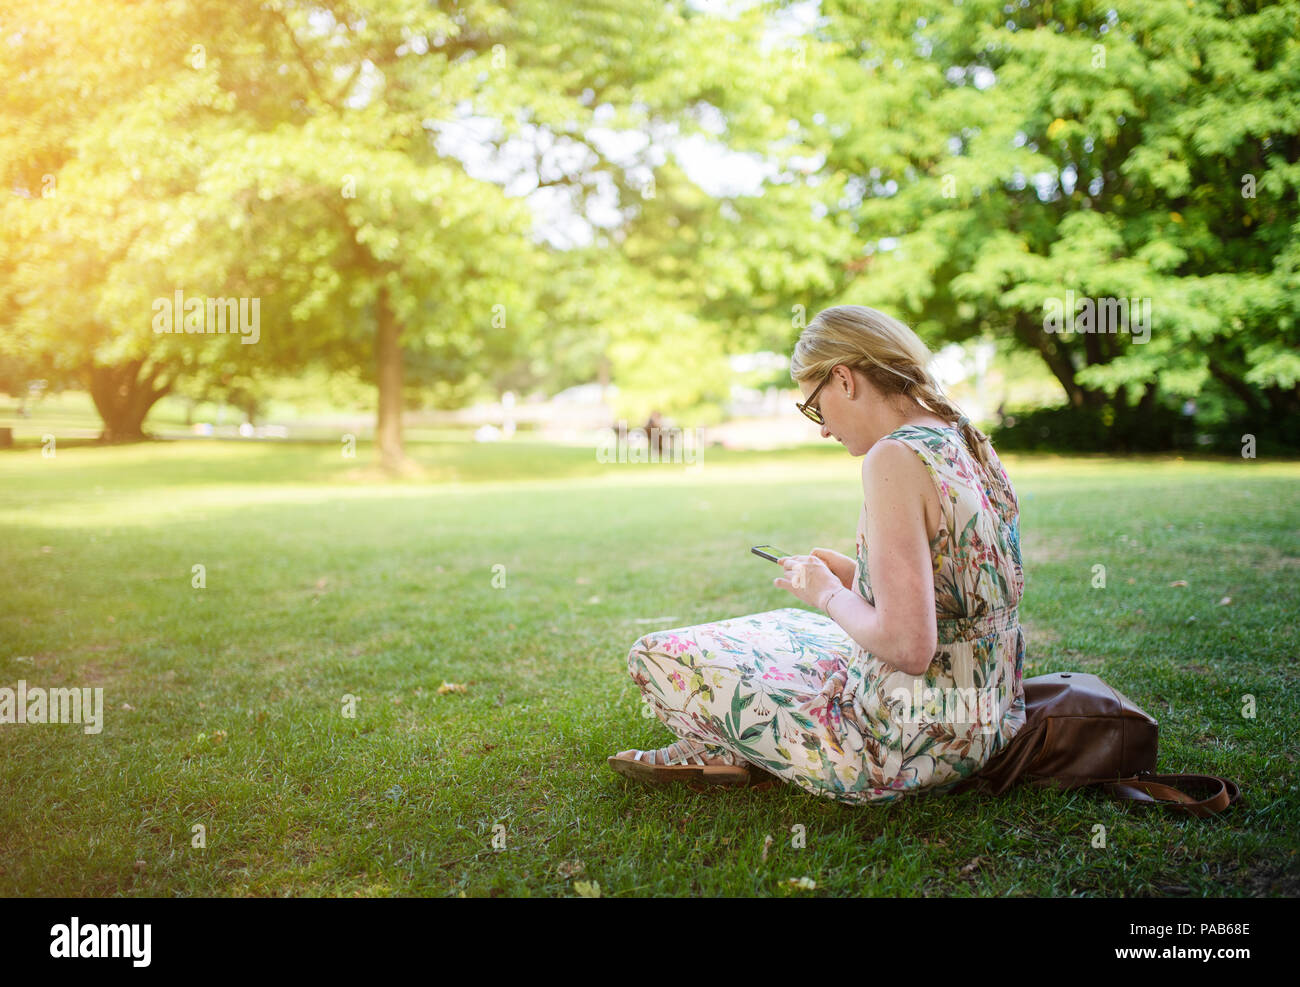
<point>900,629</point>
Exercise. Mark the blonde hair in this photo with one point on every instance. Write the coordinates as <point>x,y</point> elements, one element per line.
<point>892,357</point>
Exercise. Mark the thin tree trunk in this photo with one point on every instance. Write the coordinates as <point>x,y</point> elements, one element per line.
<point>388,357</point>
<point>1148,399</point>
<point>602,371</point>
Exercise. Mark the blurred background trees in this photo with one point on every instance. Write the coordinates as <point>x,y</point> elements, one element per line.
<point>447,201</point>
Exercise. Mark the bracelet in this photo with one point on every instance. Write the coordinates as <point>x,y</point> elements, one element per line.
<point>834,593</point>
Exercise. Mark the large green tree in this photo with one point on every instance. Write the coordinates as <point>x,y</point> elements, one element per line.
<point>317,156</point>
<point>274,152</point>
<point>994,157</point>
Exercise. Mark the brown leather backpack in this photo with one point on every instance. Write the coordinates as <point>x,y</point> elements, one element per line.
<point>1079,731</point>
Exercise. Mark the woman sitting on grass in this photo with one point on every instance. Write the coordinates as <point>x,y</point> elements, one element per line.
<point>912,679</point>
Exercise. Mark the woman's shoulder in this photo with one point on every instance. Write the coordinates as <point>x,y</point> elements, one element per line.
<point>937,445</point>
<point>944,450</point>
<point>893,455</point>
<point>894,473</point>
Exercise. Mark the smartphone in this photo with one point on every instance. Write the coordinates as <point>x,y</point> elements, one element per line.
<point>769,552</point>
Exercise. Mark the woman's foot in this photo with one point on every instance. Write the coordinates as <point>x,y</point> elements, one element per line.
<point>662,754</point>
<point>685,760</point>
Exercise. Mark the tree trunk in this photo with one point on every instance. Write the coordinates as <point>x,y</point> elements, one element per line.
<point>602,371</point>
<point>388,357</point>
<point>1283,403</point>
<point>1148,399</point>
<point>1057,358</point>
<point>123,399</point>
<point>1237,386</point>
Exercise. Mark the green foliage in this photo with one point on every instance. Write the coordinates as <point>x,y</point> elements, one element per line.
<point>958,164</point>
<point>307,155</point>
<point>1137,150</point>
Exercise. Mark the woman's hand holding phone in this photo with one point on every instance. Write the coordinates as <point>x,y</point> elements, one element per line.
<point>841,565</point>
<point>808,578</point>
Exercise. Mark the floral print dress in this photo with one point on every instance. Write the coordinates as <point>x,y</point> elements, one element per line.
<point>751,684</point>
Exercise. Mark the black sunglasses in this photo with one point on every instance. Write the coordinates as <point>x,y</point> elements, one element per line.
<point>814,413</point>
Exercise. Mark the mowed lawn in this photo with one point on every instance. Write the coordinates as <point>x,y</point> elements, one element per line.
<point>525,573</point>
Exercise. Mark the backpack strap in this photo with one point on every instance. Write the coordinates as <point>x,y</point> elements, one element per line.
<point>1209,793</point>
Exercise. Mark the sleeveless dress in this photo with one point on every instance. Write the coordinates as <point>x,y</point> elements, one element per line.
<point>750,684</point>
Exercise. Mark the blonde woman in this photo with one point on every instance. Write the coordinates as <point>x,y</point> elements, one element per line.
<point>910,677</point>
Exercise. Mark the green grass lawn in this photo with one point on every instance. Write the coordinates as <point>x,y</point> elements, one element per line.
<point>223,705</point>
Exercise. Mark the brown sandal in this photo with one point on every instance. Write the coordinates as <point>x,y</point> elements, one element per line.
<point>681,762</point>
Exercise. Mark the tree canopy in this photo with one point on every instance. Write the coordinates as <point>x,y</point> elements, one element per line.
<point>364,171</point>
